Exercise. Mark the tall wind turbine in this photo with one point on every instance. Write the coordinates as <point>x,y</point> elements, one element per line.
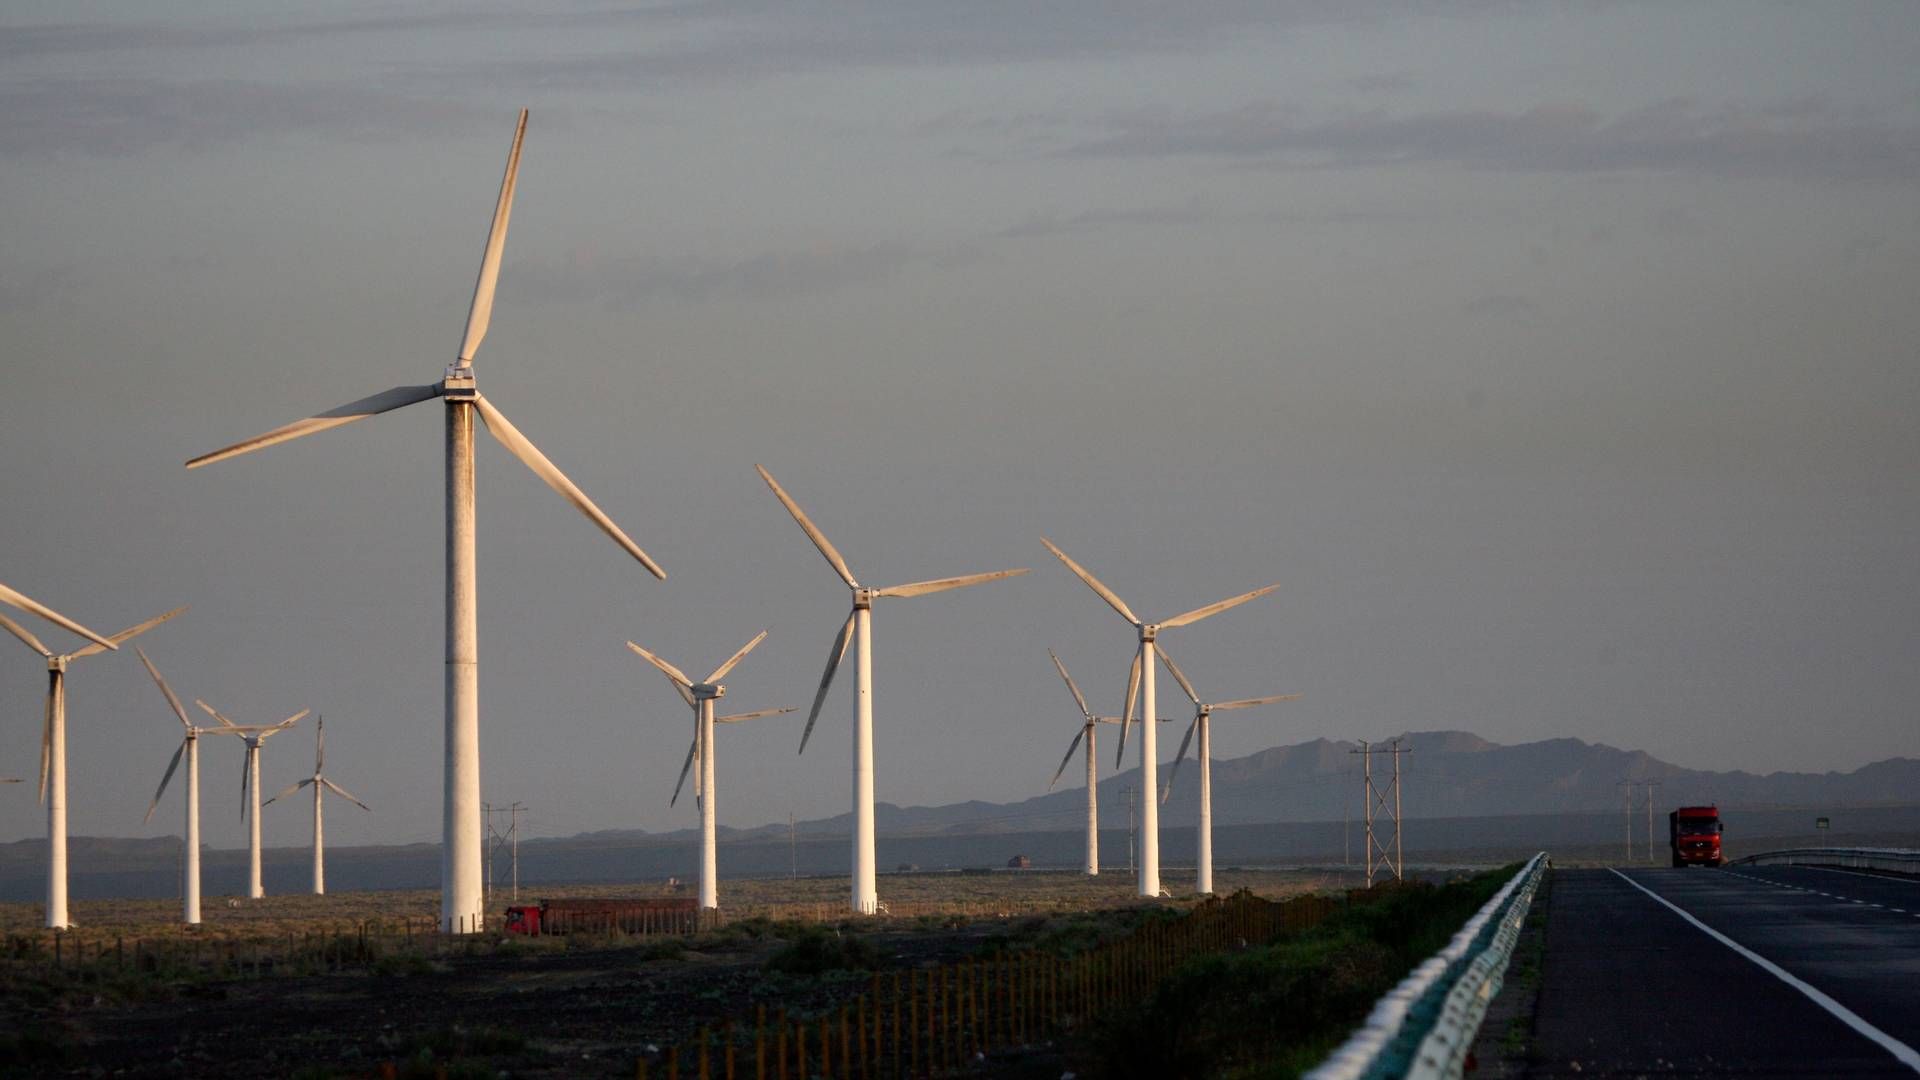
<point>460,855</point>
<point>1087,731</point>
<point>190,748</point>
<point>320,785</point>
<point>1143,671</point>
<point>701,695</point>
<point>1203,712</point>
<point>859,626</point>
<point>53,749</point>
<point>253,735</point>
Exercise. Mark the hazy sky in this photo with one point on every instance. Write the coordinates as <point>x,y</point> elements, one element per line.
<point>1559,361</point>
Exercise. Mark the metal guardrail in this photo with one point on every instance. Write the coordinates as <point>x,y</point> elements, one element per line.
<point>1892,860</point>
<point>1424,1027</point>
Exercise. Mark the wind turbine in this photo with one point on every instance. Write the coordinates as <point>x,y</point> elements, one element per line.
<point>253,735</point>
<point>1088,732</point>
<point>701,695</point>
<point>53,748</point>
<point>859,625</point>
<point>190,748</point>
<point>1142,675</point>
<point>318,783</point>
<point>460,856</point>
<point>1202,713</point>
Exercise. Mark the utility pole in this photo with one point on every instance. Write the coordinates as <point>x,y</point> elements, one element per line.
<point>1651,784</point>
<point>793,848</point>
<point>1379,855</point>
<point>497,840</point>
<point>1626,788</point>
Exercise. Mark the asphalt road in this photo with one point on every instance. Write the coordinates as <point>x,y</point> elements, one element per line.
<point>1630,987</point>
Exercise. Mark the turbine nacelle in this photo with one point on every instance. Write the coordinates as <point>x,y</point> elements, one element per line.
<point>707,691</point>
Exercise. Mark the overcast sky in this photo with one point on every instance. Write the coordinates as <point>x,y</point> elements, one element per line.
<point>1558,361</point>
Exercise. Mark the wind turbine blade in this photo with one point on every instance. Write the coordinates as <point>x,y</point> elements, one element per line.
<point>813,531</point>
<point>128,634</point>
<point>215,713</point>
<point>244,775</point>
<point>285,724</point>
<point>1178,675</point>
<point>342,792</point>
<point>384,401</point>
<point>291,788</point>
<point>922,588</point>
<point>510,437</point>
<point>319,744</point>
<point>721,671</point>
<point>1197,614</point>
<point>1093,583</point>
<point>482,309</point>
<point>165,780</point>
<point>1126,714</point>
<point>35,607</point>
<point>1071,747</point>
<point>838,654</point>
<point>179,710</point>
<point>1248,703</point>
<point>679,677</point>
<point>685,768</point>
<point>26,636</point>
<point>1167,788</point>
<point>754,715</point>
<point>1078,698</point>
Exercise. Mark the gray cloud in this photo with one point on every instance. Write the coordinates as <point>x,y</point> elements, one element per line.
<point>127,116</point>
<point>1500,306</point>
<point>1799,140</point>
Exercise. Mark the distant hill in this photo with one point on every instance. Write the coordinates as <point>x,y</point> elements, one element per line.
<point>1460,792</point>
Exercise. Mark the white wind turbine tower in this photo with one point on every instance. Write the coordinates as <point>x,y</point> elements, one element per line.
<point>253,735</point>
<point>460,856</point>
<point>859,627</point>
<point>1202,713</point>
<point>1087,731</point>
<point>1143,671</point>
<point>701,695</point>
<point>320,785</point>
<point>53,749</point>
<point>190,748</point>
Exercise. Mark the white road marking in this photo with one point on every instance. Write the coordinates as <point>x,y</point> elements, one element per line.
<point>1905,1054</point>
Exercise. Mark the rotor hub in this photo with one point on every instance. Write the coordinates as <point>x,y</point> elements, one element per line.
<point>459,383</point>
<point>1149,632</point>
<point>863,598</point>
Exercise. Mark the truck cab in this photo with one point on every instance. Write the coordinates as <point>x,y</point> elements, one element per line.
<point>1694,833</point>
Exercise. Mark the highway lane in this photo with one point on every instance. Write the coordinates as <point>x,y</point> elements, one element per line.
<point>1631,987</point>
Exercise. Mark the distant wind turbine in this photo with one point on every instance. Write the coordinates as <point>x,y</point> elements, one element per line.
<point>1143,670</point>
<point>1087,731</point>
<point>53,746</point>
<point>253,736</point>
<point>701,695</point>
<point>460,856</point>
<point>1202,713</point>
<point>321,785</point>
<point>190,748</point>
<point>858,627</point>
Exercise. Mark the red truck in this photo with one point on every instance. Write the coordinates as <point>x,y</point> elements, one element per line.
<point>605,914</point>
<point>1694,832</point>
